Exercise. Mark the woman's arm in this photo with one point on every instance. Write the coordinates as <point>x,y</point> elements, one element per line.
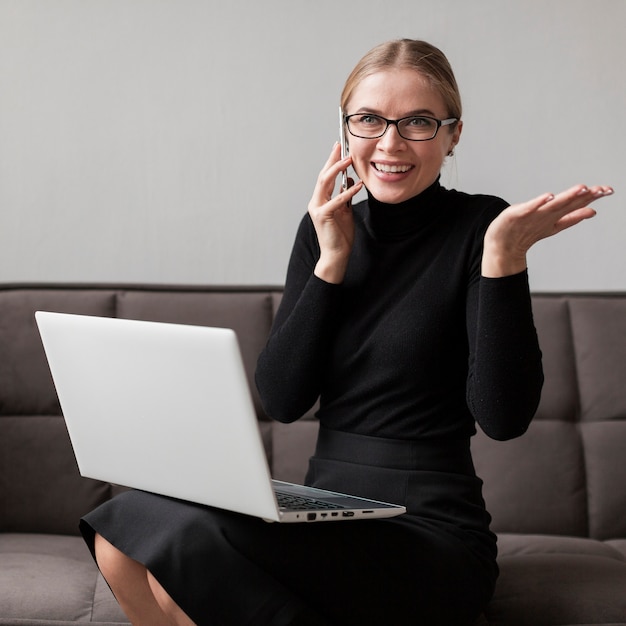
<point>291,368</point>
<point>505,376</point>
<point>505,372</point>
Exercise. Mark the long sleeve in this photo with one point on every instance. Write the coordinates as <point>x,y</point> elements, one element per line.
<point>414,343</point>
<point>290,369</point>
<point>505,372</point>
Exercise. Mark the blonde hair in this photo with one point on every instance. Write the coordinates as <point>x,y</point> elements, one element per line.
<point>413,54</point>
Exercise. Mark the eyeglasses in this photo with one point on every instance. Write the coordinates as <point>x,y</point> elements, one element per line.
<point>413,128</point>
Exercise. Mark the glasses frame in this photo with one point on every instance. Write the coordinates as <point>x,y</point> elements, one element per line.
<point>440,123</point>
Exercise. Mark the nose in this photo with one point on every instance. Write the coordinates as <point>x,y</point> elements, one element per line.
<point>391,141</point>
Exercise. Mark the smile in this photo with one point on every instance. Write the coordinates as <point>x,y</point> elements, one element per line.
<point>392,169</point>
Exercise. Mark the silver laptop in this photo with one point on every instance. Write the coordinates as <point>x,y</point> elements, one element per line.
<point>166,408</point>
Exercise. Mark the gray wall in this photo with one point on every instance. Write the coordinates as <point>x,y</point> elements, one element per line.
<point>179,140</point>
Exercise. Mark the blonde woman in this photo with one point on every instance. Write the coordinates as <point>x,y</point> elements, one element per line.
<point>408,315</point>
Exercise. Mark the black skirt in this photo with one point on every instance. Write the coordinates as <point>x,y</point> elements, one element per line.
<point>434,565</point>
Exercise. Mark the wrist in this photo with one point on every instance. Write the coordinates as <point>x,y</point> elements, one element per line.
<point>499,263</point>
<point>331,270</point>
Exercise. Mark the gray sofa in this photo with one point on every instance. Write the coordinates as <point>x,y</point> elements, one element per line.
<point>557,494</point>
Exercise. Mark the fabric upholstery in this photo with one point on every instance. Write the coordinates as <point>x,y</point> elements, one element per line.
<point>605,465</point>
<point>550,589</point>
<point>559,399</point>
<point>557,495</point>
<point>52,579</point>
<point>25,383</point>
<point>599,334</point>
<point>41,490</point>
<point>536,483</point>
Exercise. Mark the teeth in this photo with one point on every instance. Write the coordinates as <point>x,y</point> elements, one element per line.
<point>391,169</point>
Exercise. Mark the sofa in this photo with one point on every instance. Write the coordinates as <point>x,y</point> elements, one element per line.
<point>557,495</point>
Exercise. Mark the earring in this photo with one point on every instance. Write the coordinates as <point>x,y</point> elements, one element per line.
<point>451,153</point>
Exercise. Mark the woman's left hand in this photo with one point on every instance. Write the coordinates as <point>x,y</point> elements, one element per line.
<point>520,226</point>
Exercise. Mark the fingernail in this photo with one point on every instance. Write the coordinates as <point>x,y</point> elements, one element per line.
<point>583,191</point>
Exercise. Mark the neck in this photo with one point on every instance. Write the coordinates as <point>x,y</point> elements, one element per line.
<point>397,221</point>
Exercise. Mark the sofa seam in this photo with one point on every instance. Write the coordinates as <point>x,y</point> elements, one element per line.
<point>578,418</point>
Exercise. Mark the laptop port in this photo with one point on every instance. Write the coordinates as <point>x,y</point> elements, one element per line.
<point>311,517</point>
<point>334,514</point>
<point>348,514</point>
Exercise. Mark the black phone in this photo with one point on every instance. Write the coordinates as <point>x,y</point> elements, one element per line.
<point>344,147</point>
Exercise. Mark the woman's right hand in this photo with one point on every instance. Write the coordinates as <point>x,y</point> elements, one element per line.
<point>333,219</point>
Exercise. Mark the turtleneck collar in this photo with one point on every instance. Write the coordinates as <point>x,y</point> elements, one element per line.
<point>393,222</point>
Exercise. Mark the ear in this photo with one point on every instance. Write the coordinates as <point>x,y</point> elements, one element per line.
<point>456,136</point>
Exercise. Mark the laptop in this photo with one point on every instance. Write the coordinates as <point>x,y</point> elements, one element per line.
<point>166,408</point>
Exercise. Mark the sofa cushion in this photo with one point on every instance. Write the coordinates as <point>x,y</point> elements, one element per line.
<point>596,326</point>
<point>619,545</point>
<point>40,487</point>
<point>26,387</point>
<point>510,544</point>
<point>559,397</point>
<point>292,446</point>
<point>548,589</point>
<point>52,579</point>
<point>606,477</point>
<point>535,483</point>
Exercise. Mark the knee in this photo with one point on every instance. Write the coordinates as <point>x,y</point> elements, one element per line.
<point>115,566</point>
<point>106,554</point>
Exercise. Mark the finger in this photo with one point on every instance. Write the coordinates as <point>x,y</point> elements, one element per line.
<point>335,155</point>
<point>530,206</point>
<point>328,177</point>
<point>576,198</point>
<point>339,202</point>
<point>333,158</point>
<point>573,217</point>
<point>351,191</point>
<point>584,192</point>
<point>344,198</point>
<point>353,188</point>
<point>322,205</point>
<point>602,191</point>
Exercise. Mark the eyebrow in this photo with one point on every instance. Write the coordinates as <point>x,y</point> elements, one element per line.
<point>416,112</point>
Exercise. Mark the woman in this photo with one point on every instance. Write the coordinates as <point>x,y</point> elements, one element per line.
<point>409,316</point>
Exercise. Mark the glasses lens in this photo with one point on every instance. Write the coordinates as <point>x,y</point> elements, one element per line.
<point>366,125</point>
<point>418,128</point>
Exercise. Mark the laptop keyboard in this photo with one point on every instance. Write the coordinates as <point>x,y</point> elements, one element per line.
<point>299,503</point>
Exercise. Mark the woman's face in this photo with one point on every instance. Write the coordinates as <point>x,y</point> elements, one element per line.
<point>393,94</point>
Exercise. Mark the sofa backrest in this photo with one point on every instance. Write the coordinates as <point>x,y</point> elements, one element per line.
<point>565,476</point>
<point>40,488</point>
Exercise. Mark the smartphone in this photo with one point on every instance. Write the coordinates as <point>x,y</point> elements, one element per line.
<point>344,147</point>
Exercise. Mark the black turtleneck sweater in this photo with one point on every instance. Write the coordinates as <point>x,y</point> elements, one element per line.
<point>414,343</point>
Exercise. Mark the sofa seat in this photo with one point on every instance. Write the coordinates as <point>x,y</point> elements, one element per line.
<point>51,579</point>
<point>586,578</point>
